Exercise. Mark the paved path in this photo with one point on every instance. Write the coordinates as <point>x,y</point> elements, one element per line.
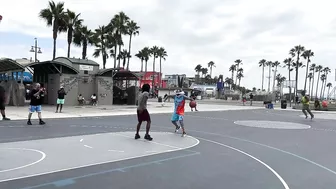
<point>246,148</point>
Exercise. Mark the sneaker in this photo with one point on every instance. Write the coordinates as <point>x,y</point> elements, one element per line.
<point>148,137</point>
<point>5,119</point>
<point>137,136</point>
<point>306,117</point>
<point>29,122</point>
<point>177,129</point>
<point>184,134</point>
<point>42,122</point>
<point>312,117</point>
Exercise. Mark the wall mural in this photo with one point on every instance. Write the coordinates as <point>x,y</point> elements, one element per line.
<point>107,85</point>
<point>69,82</point>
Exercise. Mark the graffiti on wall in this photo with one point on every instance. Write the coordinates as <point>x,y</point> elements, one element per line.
<point>69,82</point>
<point>107,85</point>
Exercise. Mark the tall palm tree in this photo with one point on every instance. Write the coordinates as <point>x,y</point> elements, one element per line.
<point>275,64</point>
<point>238,62</point>
<point>210,65</point>
<point>141,57</point>
<point>82,38</point>
<point>101,42</point>
<point>270,65</point>
<point>132,29</point>
<point>119,25</point>
<point>72,22</point>
<point>312,69</point>
<point>310,77</point>
<point>318,69</point>
<point>162,54</point>
<point>147,54</point>
<point>297,51</point>
<point>326,71</point>
<point>329,85</point>
<point>323,79</point>
<point>114,40</point>
<point>232,69</point>
<point>240,75</point>
<point>288,64</point>
<point>307,55</point>
<point>154,52</point>
<point>204,72</point>
<point>124,55</point>
<point>198,69</point>
<point>262,63</point>
<point>54,16</point>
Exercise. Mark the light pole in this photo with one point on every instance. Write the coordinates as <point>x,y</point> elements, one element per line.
<point>35,49</point>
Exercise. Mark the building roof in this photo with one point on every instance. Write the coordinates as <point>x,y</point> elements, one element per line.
<point>119,75</point>
<point>7,64</point>
<point>76,61</point>
<point>67,64</point>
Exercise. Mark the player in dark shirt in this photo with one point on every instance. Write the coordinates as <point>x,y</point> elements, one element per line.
<point>2,103</point>
<point>60,99</point>
<point>36,99</point>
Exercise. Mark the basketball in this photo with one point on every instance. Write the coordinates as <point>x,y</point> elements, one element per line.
<point>192,104</point>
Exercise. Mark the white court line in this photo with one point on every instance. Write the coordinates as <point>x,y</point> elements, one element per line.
<point>115,151</point>
<point>81,140</point>
<point>103,162</point>
<point>170,146</point>
<point>283,182</point>
<point>87,146</point>
<point>24,166</point>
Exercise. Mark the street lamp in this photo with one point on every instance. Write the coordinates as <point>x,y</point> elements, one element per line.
<point>35,49</point>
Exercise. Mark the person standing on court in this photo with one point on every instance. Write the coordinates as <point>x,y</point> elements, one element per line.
<point>142,112</point>
<point>3,103</point>
<point>305,105</point>
<point>60,99</point>
<point>36,99</point>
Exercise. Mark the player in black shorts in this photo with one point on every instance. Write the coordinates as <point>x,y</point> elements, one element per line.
<point>2,103</point>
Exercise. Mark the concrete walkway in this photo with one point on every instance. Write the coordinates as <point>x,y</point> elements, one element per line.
<point>21,113</point>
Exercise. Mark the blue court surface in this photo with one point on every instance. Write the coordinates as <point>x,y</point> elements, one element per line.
<point>252,149</point>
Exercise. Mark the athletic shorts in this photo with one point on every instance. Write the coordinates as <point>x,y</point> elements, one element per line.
<point>33,109</point>
<point>143,116</point>
<point>176,117</point>
<point>60,101</point>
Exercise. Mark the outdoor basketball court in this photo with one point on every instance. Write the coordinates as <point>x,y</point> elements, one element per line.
<point>228,149</point>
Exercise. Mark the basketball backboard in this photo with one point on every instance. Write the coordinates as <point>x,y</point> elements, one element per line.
<point>288,83</point>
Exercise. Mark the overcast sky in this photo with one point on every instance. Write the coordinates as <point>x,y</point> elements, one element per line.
<point>192,31</point>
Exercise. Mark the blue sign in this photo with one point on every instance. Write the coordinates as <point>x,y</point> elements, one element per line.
<point>27,76</point>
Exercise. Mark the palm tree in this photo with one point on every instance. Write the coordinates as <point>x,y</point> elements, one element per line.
<point>124,55</point>
<point>232,69</point>
<point>323,79</point>
<point>54,16</point>
<point>198,69</point>
<point>310,77</point>
<point>329,85</point>
<point>318,69</point>
<point>326,71</point>
<point>82,37</point>
<point>146,53</point>
<point>140,55</point>
<point>132,29</point>
<point>262,63</point>
<point>275,64</point>
<point>204,72</point>
<point>210,65</point>
<point>162,54</point>
<point>154,52</point>
<point>73,22</point>
<point>297,51</point>
<point>101,42</point>
<point>307,55</point>
<point>312,69</point>
<point>118,24</point>
<point>238,62</point>
<point>240,75</point>
<point>270,65</point>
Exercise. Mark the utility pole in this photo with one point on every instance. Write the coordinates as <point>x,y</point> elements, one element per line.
<point>35,49</point>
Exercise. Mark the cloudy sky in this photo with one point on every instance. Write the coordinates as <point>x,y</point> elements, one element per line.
<point>192,31</point>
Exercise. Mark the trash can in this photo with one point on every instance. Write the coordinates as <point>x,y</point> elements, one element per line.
<point>283,104</point>
<point>160,99</point>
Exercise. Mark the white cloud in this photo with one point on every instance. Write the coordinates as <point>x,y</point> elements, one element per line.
<point>196,32</point>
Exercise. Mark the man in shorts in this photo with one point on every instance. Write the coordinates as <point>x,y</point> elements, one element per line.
<point>3,103</point>
<point>305,106</point>
<point>142,112</point>
<point>36,99</point>
<point>179,101</point>
<point>60,99</point>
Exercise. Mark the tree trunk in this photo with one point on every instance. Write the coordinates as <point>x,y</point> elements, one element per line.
<point>142,65</point>
<point>269,78</point>
<point>160,74</point>
<point>129,51</point>
<point>297,75</point>
<point>115,56</point>
<point>119,58</point>
<point>309,85</point>
<point>104,59</point>
<point>290,87</point>
<point>312,86</point>
<point>305,83</point>
<point>262,79</point>
<point>317,84</point>
<point>153,76</point>
<point>328,93</point>
<point>275,71</point>
<point>236,75</point>
<point>211,71</point>
<point>84,50</point>
<point>325,84</point>
<point>55,30</point>
<point>69,40</point>
<point>232,79</point>
<point>321,90</point>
